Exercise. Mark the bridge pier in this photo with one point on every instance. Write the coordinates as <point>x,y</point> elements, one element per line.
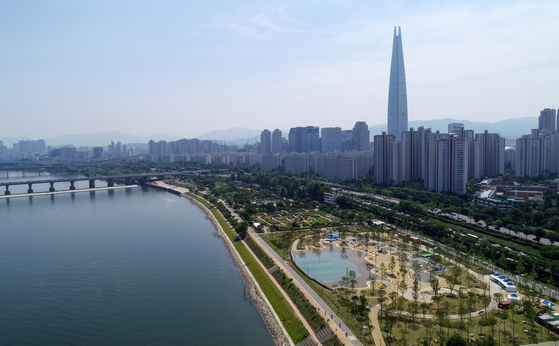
<point>30,190</point>
<point>110,182</point>
<point>7,192</point>
<point>52,189</point>
<point>91,183</point>
<point>145,180</point>
<point>72,186</point>
<point>128,181</point>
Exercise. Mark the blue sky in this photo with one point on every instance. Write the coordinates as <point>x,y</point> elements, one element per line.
<point>185,68</point>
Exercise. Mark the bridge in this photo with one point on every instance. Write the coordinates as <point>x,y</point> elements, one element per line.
<point>128,180</point>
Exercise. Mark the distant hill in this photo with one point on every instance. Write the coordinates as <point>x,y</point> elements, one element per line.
<point>510,128</point>
<point>105,138</point>
<point>233,134</point>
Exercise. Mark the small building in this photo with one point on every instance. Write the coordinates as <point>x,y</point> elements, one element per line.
<point>503,282</point>
<point>504,304</point>
<point>330,198</point>
<point>545,318</point>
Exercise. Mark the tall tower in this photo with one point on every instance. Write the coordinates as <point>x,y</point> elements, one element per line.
<point>397,95</point>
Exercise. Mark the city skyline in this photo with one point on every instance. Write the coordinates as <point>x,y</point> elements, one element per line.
<point>106,67</point>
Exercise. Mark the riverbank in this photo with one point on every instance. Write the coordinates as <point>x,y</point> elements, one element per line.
<point>253,291</point>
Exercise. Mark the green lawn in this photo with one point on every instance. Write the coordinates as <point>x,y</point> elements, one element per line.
<point>200,199</point>
<point>225,225</point>
<point>291,323</point>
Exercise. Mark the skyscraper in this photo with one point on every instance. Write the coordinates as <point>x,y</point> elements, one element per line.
<point>397,95</point>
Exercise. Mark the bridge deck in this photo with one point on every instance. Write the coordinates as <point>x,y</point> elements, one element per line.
<point>105,177</point>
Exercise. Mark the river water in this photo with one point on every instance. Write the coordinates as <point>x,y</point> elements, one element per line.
<point>134,266</point>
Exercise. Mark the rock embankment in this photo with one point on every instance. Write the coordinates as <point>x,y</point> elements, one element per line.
<point>269,319</point>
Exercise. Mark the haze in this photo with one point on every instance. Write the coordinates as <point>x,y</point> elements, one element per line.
<point>185,68</point>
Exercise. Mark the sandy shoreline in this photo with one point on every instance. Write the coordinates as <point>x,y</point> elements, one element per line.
<point>277,331</point>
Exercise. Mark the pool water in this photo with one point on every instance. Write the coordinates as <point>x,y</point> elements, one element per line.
<point>326,267</point>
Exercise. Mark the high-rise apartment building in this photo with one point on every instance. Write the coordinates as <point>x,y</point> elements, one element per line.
<point>266,142</point>
<point>535,154</point>
<point>547,120</point>
<point>452,164</point>
<point>387,159</point>
<point>304,139</point>
<point>276,141</point>
<point>397,95</point>
<point>492,154</point>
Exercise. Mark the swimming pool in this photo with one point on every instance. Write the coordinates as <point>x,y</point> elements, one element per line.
<point>326,267</point>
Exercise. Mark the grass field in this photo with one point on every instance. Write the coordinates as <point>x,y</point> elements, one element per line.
<point>292,324</point>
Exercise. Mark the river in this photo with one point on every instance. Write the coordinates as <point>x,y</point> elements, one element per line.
<point>134,266</point>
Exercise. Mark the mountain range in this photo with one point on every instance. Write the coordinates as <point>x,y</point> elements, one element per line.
<point>509,128</point>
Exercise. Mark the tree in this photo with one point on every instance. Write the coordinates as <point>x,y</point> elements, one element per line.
<point>424,309</point>
<point>435,285</point>
<point>428,324</point>
<point>413,308</point>
<point>381,299</point>
<point>373,281</point>
<point>415,290</point>
<point>392,264</point>
<point>352,279</point>
<point>393,297</point>
<point>453,276</point>
<point>403,261</point>
<point>241,229</point>
<point>416,246</point>
<point>456,340</point>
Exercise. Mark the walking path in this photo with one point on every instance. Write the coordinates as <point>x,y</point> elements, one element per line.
<point>301,317</point>
<point>342,331</point>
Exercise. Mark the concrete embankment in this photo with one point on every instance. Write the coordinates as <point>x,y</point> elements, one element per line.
<point>253,291</point>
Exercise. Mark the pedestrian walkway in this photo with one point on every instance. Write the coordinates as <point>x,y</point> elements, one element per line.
<point>287,298</point>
